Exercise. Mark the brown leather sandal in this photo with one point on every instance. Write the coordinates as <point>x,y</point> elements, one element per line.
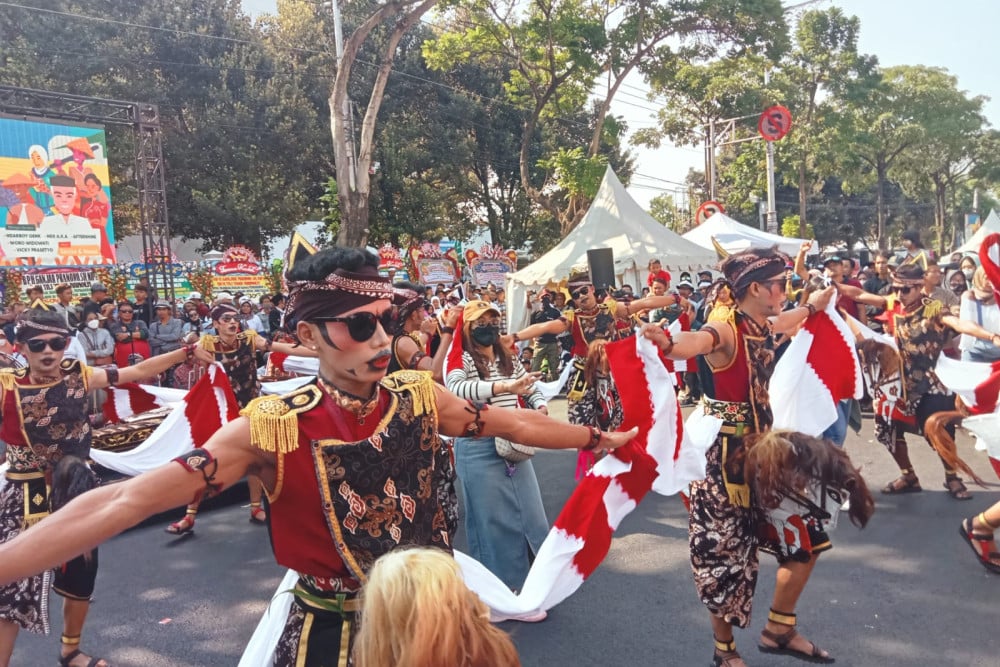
<point>782,641</point>
<point>725,652</point>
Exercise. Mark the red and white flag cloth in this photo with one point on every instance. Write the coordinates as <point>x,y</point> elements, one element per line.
<point>819,368</point>
<point>978,385</point>
<point>128,399</point>
<point>207,407</point>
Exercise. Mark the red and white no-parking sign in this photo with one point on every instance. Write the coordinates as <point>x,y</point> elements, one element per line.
<point>707,210</point>
<point>774,123</point>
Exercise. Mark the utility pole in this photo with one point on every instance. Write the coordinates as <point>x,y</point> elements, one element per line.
<point>772,213</point>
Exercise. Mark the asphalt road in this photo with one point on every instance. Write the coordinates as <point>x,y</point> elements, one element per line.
<point>906,591</point>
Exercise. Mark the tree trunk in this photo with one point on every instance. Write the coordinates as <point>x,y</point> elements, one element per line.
<point>880,172</point>
<point>939,210</point>
<point>803,195</point>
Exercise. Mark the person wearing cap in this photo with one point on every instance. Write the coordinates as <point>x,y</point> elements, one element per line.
<point>587,321</point>
<point>165,332</point>
<point>504,519</point>
<point>237,350</point>
<point>98,293</point>
<point>47,449</point>
<point>223,298</point>
<point>351,435</point>
<point>922,328</point>
<point>413,330</point>
<point>131,337</point>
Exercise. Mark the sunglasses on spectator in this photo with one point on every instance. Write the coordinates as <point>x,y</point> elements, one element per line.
<point>362,326</point>
<point>127,311</point>
<point>39,344</point>
<point>580,291</point>
<point>902,289</point>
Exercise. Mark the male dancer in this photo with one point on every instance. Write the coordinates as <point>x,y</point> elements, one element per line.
<point>44,413</point>
<point>922,327</point>
<point>236,350</point>
<point>352,462</point>
<point>590,320</point>
<point>739,351</point>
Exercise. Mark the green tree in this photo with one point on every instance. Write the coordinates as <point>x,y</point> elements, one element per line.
<point>944,156</point>
<point>823,67</point>
<point>559,51</point>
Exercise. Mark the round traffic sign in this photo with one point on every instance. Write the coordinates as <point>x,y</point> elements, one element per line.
<point>774,123</point>
<point>707,210</point>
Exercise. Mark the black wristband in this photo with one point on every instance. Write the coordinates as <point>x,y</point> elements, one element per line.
<point>447,330</point>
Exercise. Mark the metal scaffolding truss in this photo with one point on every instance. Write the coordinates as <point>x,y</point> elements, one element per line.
<point>144,121</point>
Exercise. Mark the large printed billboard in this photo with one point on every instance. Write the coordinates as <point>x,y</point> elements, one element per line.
<point>55,195</point>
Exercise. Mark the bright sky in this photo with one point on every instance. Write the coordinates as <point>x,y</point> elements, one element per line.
<point>954,34</point>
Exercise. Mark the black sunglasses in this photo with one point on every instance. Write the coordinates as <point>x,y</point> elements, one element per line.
<point>124,312</point>
<point>362,326</point>
<point>580,291</point>
<point>39,344</point>
<point>905,289</point>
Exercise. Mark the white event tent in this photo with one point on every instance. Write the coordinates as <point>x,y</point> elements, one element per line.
<point>614,220</point>
<point>991,225</point>
<point>734,236</point>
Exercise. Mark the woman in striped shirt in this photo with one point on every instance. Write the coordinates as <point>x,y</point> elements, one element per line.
<point>504,518</point>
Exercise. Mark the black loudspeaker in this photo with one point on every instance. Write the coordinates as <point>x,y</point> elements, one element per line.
<point>602,268</point>
<point>864,257</point>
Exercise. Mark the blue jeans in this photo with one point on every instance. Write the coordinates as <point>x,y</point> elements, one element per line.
<point>504,519</point>
<point>837,431</point>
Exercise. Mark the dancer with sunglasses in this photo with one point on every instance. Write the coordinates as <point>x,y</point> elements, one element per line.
<point>726,514</point>
<point>587,321</point>
<point>236,351</point>
<point>352,461</point>
<point>922,327</point>
<point>44,422</point>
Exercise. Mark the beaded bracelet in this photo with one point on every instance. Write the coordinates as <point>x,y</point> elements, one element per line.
<point>595,439</point>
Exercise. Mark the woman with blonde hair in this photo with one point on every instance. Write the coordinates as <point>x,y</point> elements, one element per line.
<point>417,612</point>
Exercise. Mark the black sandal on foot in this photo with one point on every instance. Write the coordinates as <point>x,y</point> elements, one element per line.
<point>724,652</point>
<point>65,660</point>
<point>784,639</point>
<point>907,482</point>
<point>980,544</point>
<point>956,488</point>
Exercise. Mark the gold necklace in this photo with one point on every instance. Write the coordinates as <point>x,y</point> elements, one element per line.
<point>359,407</point>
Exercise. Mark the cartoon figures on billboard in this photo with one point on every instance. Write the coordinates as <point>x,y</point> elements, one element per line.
<point>390,263</point>
<point>55,205</point>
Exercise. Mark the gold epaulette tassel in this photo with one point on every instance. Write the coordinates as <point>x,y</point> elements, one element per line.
<point>424,401</point>
<point>273,426</point>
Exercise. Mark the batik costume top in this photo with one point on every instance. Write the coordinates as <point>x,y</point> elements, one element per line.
<point>240,363</point>
<point>383,481</point>
<point>43,423</point>
<point>601,323</point>
<point>920,337</point>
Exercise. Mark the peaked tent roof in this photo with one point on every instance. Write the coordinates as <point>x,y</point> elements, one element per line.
<point>734,236</point>
<point>991,225</point>
<point>614,220</point>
